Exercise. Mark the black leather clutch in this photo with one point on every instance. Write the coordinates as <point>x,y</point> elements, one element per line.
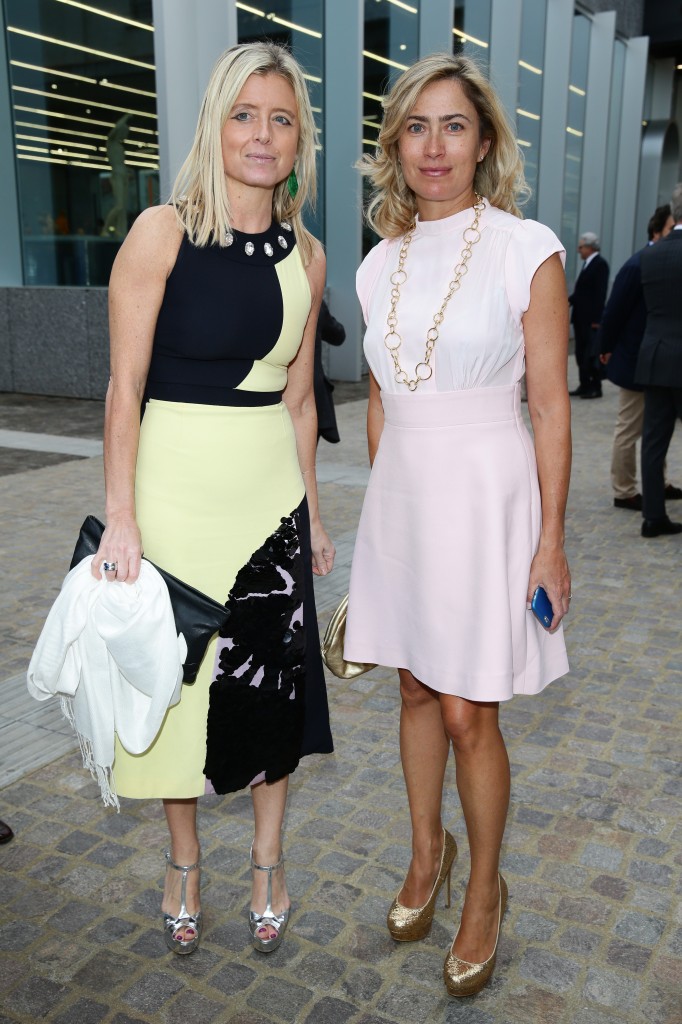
<point>197,616</point>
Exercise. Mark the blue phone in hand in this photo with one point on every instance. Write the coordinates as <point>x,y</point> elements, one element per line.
<point>541,607</point>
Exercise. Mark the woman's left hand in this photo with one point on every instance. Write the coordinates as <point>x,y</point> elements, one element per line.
<point>323,550</point>
<point>549,569</point>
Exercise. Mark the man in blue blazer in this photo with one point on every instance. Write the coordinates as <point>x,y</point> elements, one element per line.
<point>587,306</point>
<point>659,368</point>
<point>620,337</point>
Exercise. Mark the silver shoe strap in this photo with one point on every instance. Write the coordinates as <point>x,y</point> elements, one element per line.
<point>182,867</point>
<point>268,912</point>
<point>185,868</point>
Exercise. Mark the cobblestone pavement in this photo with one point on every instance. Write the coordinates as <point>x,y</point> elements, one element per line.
<point>592,851</point>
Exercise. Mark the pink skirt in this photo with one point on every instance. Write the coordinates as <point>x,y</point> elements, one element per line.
<point>449,527</point>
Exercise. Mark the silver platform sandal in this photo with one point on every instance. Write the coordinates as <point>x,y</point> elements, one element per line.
<point>173,925</point>
<point>268,919</point>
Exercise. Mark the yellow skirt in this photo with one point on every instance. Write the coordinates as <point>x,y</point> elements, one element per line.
<point>212,483</point>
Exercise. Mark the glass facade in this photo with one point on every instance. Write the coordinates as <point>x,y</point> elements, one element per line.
<point>82,89</point>
<point>299,25</point>
<point>86,141</point>
<point>529,96</point>
<point>471,29</point>
<point>575,130</point>
<point>391,44</point>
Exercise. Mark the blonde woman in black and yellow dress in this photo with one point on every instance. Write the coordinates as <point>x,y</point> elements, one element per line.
<point>213,305</point>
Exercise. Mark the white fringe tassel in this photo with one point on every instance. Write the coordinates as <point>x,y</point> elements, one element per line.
<point>102,774</point>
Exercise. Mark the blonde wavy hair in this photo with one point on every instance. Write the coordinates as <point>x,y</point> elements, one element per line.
<point>499,177</point>
<point>199,195</point>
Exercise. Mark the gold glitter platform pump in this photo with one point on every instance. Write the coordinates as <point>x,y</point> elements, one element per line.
<point>465,979</point>
<point>406,924</point>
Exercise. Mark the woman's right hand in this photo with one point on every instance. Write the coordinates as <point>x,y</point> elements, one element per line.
<point>121,544</point>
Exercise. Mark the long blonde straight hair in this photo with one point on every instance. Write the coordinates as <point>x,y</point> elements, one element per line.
<point>499,177</point>
<point>199,194</point>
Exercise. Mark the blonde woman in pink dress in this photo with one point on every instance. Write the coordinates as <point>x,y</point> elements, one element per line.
<point>464,513</point>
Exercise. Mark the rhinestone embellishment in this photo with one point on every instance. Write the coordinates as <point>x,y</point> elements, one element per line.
<point>268,249</point>
<point>249,248</point>
<point>286,225</point>
<point>282,241</point>
<point>229,238</point>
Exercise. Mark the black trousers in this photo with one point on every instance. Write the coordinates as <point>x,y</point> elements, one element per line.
<point>588,364</point>
<point>662,406</point>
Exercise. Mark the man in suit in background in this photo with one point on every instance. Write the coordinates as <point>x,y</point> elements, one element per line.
<point>659,368</point>
<point>620,337</point>
<point>587,305</point>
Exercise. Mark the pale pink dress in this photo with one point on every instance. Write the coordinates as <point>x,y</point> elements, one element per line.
<point>452,516</point>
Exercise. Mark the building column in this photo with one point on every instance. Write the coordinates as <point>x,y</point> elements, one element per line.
<point>558,35</point>
<point>343,81</point>
<point>11,272</point>
<point>659,169</point>
<point>593,171</point>
<point>658,172</point>
<point>632,106</point>
<point>436,18</point>
<point>186,46</point>
<point>505,50</point>
<point>662,87</point>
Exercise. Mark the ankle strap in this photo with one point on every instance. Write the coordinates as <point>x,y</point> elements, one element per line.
<point>182,867</point>
<point>268,867</point>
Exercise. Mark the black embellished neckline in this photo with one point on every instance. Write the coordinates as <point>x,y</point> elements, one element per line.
<point>262,248</point>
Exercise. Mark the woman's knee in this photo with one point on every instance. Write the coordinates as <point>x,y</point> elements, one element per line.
<point>468,723</point>
<point>413,693</point>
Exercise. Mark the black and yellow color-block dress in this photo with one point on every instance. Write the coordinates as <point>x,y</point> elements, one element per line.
<point>221,504</point>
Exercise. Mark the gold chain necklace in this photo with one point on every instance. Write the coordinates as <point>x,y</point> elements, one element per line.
<point>392,339</point>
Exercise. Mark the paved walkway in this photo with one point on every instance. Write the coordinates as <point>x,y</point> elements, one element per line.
<point>593,934</point>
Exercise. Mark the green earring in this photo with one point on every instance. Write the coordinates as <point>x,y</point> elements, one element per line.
<point>292,184</point>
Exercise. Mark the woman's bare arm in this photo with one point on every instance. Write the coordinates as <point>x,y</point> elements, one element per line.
<point>545,327</point>
<point>300,401</point>
<point>136,289</point>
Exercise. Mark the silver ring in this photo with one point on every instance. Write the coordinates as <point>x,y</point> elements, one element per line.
<point>109,566</point>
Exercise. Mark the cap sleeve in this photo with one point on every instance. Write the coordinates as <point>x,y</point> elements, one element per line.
<point>531,243</point>
<point>368,272</point>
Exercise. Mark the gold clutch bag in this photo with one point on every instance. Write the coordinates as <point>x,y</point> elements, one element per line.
<point>332,646</point>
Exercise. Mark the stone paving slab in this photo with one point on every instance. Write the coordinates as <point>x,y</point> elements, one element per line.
<point>28,441</point>
<point>592,851</point>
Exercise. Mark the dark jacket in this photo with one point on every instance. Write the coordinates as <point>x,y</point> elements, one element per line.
<point>660,355</point>
<point>330,330</point>
<point>589,293</point>
<point>623,322</point>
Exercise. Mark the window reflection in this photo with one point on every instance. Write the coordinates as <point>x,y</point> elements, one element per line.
<point>85,130</point>
<point>529,99</point>
<point>391,45</point>
<point>575,128</point>
<point>471,30</point>
<point>298,25</point>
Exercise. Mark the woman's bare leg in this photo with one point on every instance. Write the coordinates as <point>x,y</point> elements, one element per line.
<point>483,785</point>
<point>269,804</point>
<point>424,749</point>
<point>181,816</point>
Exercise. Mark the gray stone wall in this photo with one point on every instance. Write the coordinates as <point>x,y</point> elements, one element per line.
<point>54,341</point>
<point>629,14</point>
